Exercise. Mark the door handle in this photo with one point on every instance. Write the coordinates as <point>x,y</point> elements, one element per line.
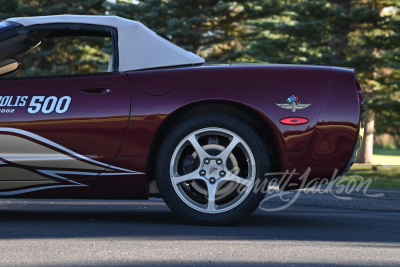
<point>97,88</point>
<point>96,91</point>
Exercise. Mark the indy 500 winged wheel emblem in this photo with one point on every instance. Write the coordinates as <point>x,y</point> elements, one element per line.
<point>293,104</point>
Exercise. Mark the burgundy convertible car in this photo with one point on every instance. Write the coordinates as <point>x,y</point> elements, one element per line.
<point>158,121</point>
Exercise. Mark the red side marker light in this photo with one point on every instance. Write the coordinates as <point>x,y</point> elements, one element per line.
<point>293,121</point>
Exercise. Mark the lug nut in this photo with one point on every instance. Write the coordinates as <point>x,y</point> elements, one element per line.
<point>212,180</point>
<point>219,161</point>
<point>206,161</point>
<point>202,172</point>
<point>222,173</point>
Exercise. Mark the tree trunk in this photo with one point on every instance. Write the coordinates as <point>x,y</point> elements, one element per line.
<point>366,151</point>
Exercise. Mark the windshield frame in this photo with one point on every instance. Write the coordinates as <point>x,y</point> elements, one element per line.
<point>9,29</point>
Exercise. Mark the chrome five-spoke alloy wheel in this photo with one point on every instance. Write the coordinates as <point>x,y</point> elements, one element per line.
<point>208,167</point>
<point>212,170</point>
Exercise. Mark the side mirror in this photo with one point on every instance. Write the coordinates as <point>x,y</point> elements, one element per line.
<point>9,66</point>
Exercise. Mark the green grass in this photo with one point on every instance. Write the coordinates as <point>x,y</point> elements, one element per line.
<point>380,176</point>
<point>384,156</point>
<point>386,160</point>
<point>386,151</point>
<point>384,173</point>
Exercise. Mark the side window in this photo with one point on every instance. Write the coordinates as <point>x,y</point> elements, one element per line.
<point>66,55</point>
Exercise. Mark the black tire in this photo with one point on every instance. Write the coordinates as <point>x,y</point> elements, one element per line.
<point>191,199</point>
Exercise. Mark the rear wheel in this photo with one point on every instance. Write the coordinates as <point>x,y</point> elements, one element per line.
<point>208,168</point>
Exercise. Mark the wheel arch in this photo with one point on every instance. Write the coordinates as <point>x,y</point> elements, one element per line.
<point>244,112</point>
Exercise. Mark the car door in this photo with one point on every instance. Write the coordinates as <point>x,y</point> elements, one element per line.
<point>56,131</point>
<point>64,115</point>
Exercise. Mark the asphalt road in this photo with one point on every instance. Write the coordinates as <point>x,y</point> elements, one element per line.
<point>318,229</point>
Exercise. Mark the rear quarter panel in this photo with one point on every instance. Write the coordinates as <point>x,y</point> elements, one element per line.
<point>334,137</point>
<point>323,144</point>
<point>257,87</point>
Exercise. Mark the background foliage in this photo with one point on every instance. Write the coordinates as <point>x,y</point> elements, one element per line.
<point>362,34</point>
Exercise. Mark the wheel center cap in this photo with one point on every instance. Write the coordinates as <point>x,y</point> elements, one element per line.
<point>213,169</point>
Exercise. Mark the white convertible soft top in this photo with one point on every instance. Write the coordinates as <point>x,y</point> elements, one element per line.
<point>138,46</point>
